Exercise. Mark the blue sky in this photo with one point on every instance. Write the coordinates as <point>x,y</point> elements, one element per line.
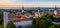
<point>34,1</point>
<point>37,3</point>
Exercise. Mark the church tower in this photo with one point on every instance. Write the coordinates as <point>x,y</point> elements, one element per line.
<point>55,10</point>
<point>22,8</point>
<point>38,12</point>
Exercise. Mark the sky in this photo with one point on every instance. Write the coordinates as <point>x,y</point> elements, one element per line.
<point>29,3</point>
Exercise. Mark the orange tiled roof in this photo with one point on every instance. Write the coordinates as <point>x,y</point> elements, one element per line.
<point>25,18</point>
<point>16,20</point>
<point>58,14</point>
<point>11,15</point>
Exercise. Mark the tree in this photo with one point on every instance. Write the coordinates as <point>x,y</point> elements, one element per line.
<point>1,25</point>
<point>42,22</point>
<point>52,26</point>
<point>11,25</point>
<point>58,26</point>
<point>1,18</point>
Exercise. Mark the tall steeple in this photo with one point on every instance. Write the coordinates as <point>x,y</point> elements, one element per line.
<point>55,11</point>
<point>22,8</point>
<point>38,12</point>
<point>55,7</point>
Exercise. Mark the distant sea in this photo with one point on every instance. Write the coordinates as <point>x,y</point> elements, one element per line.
<point>27,9</point>
<point>41,8</point>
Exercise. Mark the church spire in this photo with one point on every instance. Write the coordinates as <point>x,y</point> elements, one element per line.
<point>55,11</point>
<point>22,7</point>
<point>38,11</point>
<point>55,7</point>
<point>38,8</point>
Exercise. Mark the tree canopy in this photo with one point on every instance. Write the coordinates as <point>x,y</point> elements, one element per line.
<point>11,25</point>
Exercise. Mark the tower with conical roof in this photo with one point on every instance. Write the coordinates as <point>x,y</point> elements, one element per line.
<point>55,10</point>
